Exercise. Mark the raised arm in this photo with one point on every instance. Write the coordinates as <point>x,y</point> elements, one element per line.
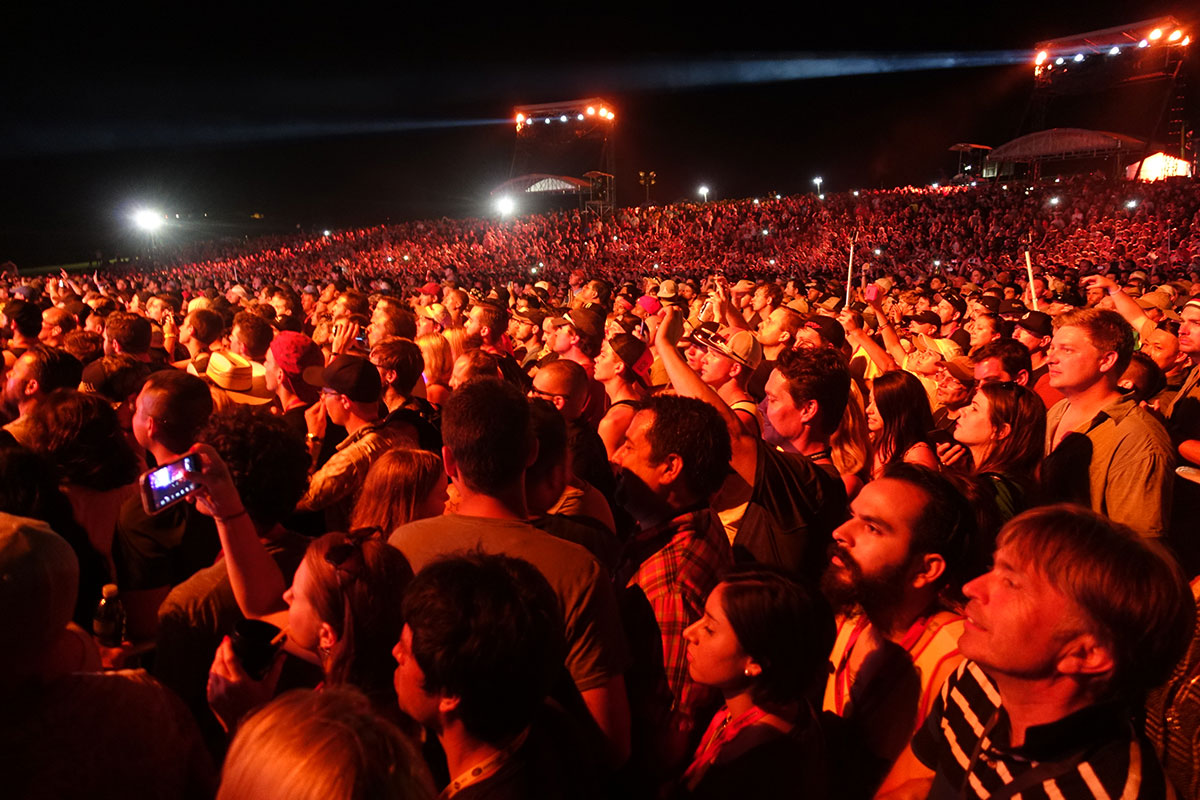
<point>1124,305</point>
<point>257,582</point>
<point>860,338</point>
<point>688,384</point>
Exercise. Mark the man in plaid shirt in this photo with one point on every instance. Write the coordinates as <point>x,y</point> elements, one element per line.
<point>674,458</point>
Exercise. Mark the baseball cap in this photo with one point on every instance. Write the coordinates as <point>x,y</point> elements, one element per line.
<point>962,369</point>
<point>829,329</point>
<point>431,288</point>
<point>302,363</point>
<point>531,316</point>
<point>355,377</point>
<point>649,304</point>
<point>1038,323</point>
<point>587,321</point>
<point>636,356</point>
<point>741,347</point>
<point>1012,307</point>
<point>925,318</point>
<point>39,583</point>
<point>956,302</point>
<point>667,290</point>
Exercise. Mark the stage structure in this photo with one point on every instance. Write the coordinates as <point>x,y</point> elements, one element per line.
<point>557,141</point>
<point>1127,81</point>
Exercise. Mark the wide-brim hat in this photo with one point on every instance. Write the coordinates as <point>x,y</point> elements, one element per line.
<point>242,379</point>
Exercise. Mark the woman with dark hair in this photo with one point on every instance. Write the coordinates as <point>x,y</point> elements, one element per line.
<point>1003,429</point>
<point>79,434</point>
<point>763,642</point>
<point>899,420</point>
<point>341,612</point>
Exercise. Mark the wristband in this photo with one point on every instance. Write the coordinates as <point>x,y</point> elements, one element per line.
<point>226,520</point>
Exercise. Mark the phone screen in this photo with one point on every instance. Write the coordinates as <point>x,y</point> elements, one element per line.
<point>168,484</point>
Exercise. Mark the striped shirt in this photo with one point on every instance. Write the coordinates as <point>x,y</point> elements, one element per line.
<point>1092,753</point>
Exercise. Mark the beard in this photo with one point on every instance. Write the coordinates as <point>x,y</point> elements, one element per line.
<point>847,588</point>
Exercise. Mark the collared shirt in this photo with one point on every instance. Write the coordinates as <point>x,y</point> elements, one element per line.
<point>1092,753</point>
<point>1183,412</point>
<point>1130,461</point>
<point>676,565</point>
<point>334,487</point>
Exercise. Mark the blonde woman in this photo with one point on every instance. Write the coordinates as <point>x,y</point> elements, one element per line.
<point>328,745</point>
<point>436,351</point>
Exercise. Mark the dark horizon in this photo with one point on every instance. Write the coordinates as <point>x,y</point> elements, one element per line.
<point>117,118</point>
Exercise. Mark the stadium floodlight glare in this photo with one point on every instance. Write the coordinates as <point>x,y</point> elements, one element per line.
<point>520,118</point>
<point>820,197</point>
<point>937,262</point>
<point>326,233</point>
<point>591,111</point>
<point>1143,43</point>
<point>1155,35</point>
<point>563,118</point>
<point>766,232</point>
<point>1053,201</point>
<point>1131,204</point>
<point>756,201</point>
<point>505,205</point>
<point>878,252</point>
<point>935,185</point>
<point>704,193</point>
<point>856,192</point>
<point>1041,58</point>
<point>1175,36</point>
<point>1116,51</point>
<point>818,180</point>
<point>1079,57</point>
<point>579,117</point>
<point>1186,40</point>
<point>148,220</point>
<point>1060,61</point>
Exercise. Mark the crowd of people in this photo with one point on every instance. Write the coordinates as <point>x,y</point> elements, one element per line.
<point>808,496</point>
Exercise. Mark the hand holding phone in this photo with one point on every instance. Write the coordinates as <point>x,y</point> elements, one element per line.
<point>167,485</point>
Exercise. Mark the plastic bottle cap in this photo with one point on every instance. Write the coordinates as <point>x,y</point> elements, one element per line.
<point>109,591</point>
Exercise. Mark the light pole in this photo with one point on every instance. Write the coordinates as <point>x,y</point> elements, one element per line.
<point>817,181</point>
<point>704,193</point>
<point>647,179</point>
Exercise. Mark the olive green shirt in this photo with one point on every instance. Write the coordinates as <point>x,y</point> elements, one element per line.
<point>1129,464</point>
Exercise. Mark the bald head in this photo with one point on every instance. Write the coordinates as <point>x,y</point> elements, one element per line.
<point>564,383</point>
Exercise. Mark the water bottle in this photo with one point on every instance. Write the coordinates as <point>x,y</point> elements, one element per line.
<point>109,622</point>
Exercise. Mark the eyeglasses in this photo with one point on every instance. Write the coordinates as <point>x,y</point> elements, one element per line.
<point>535,392</point>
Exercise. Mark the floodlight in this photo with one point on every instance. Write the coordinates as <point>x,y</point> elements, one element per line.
<point>591,111</point>
<point>1116,51</point>
<point>1155,35</point>
<point>756,201</point>
<point>1131,204</point>
<point>1175,36</point>
<point>772,262</point>
<point>704,192</point>
<point>1143,43</point>
<point>603,111</point>
<point>520,118</point>
<point>326,233</point>
<point>1078,57</point>
<point>148,220</point>
<point>766,232</point>
<point>856,192</point>
<point>878,251</point>
<point>1186,40</point>
<point>505,205</point>
<point>579,117</point>
<point>1060,61</point>
<point>972,183</point>
<point>1041,58</point>
<point>546,120</point>
<point>820,197</point>
<point>563,118</point>
<point>937,263</point>
<point>1053,201</point>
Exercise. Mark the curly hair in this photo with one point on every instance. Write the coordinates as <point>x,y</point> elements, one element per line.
<point>693,430</point>
<point>267,460</point>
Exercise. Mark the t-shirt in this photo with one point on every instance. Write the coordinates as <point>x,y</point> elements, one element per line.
<point>596,649</point>
<point>157,550</point>
<point>795,505</point>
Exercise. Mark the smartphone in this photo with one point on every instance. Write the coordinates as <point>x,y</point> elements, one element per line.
<point>165,486</point>
<point>871,293</point>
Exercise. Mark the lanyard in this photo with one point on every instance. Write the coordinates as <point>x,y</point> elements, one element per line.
<point>484,769</point>
<point>722,729</point>
<point>841,677</point>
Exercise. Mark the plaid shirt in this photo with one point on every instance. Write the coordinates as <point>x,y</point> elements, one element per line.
<point>676,565</point>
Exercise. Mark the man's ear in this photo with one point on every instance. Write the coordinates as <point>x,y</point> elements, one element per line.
<point>1086,656</point>
<point>671,468</point>
<point>785,337</point>
<point>930,568</point>
<point>31,387</point>
<point>449,463</point>
<point>808,411</point>
<point>1108,361</point>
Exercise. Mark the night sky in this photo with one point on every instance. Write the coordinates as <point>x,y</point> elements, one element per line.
<point>330,117</point>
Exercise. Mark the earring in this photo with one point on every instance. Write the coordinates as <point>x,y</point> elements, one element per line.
<point>747,673</point>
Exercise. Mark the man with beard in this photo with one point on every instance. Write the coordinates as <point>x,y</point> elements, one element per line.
<point>38,372</point>
<point>904,545</point>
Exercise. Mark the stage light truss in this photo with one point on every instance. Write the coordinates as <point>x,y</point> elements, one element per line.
<point>592,112</point>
